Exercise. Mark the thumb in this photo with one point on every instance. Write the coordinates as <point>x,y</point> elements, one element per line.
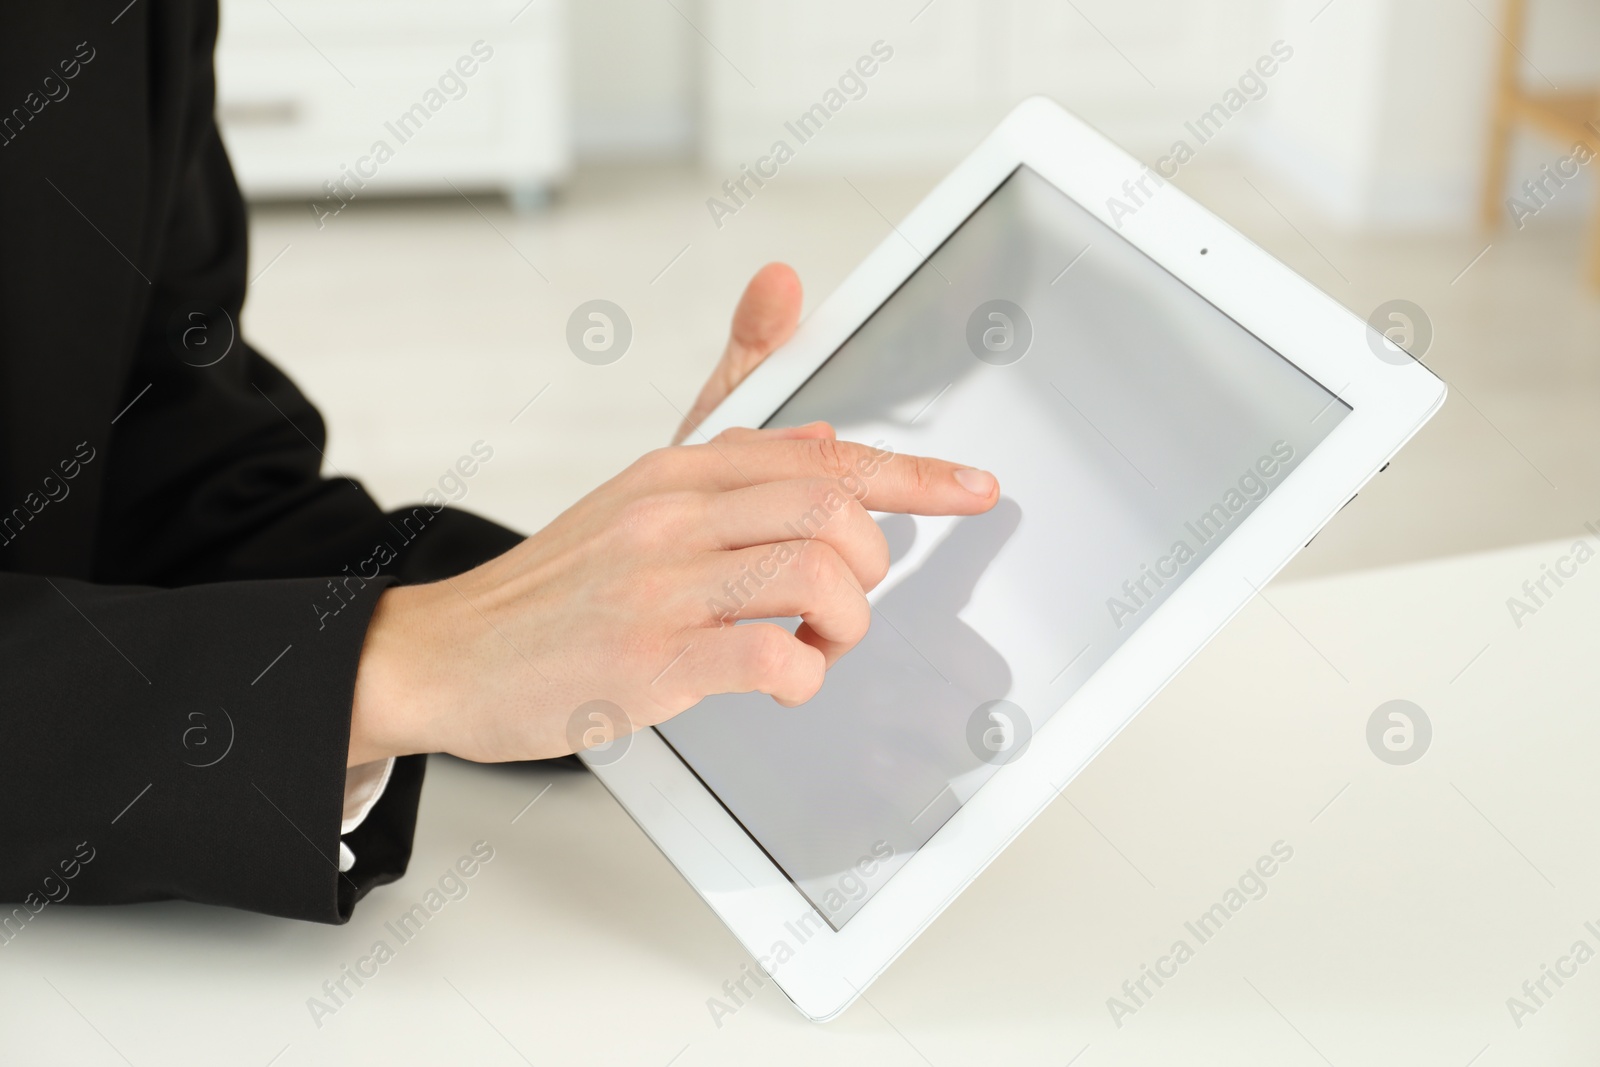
<point>766,317</point>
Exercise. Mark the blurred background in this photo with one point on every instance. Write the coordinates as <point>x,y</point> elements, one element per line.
<point>436,187</point>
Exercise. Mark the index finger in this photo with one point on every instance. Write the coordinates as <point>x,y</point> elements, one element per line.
<point>882,479</point>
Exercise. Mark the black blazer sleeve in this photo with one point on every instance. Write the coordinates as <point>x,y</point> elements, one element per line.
<point>183,596</point>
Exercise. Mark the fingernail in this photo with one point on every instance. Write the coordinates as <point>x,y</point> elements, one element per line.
<point>976,482</point>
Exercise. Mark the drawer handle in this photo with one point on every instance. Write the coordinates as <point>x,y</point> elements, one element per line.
<point>259,113</point>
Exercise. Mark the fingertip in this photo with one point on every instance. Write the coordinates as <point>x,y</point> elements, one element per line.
<point>769,310</point>
<point>780,276</point>
<point>978,483</point>
<point>994,498</point>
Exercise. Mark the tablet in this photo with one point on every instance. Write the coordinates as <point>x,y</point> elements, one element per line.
<point>1171,414</point>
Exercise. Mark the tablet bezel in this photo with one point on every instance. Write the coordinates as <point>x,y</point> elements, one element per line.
<point>1390,399</point>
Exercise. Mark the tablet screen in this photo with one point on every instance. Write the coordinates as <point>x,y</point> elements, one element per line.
<point>1132,425</point>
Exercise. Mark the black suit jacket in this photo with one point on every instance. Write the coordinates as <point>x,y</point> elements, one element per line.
<point>175,689</point>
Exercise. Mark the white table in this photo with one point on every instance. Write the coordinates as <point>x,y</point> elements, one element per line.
<point>1419,897</point>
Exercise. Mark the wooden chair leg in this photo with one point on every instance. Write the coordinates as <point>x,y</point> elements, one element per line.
<point>1594,247</point>
<point>1507,88</point>
<point>1496,163</point>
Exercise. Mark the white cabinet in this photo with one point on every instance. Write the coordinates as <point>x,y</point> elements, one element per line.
<point>333,100</point>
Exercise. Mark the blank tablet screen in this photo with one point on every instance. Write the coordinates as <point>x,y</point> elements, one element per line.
<point>1132,426</point>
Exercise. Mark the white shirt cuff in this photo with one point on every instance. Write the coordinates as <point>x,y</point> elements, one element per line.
<point>363,788</point>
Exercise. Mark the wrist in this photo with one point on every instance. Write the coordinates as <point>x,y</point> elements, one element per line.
<point>390,691</point>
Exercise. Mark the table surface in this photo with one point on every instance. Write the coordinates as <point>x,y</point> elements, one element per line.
<point>1419,897</point>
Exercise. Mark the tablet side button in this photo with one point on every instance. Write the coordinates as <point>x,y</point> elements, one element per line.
<point>1346,504</point>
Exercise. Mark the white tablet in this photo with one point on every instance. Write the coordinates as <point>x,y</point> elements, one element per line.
<point>1171,414</point>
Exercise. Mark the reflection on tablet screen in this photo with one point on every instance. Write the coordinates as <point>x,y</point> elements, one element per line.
<point>1132,425</point>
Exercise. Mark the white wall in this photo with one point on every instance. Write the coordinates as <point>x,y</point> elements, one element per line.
<point>648,83</point>
<point>1135,68</point>
<point>1379,120</point>
<point>635,68</point>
